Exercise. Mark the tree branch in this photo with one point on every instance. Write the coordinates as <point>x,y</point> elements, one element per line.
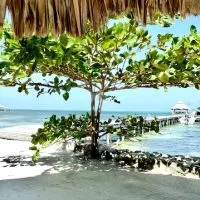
<point>145,85</point>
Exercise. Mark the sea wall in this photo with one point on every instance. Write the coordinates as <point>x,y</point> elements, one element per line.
<point>155,162</point>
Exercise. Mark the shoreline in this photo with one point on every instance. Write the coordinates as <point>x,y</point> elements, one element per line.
<point>15,158</point>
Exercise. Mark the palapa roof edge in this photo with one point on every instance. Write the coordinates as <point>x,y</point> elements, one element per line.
<point>58,16</point>
<point>180,106</point>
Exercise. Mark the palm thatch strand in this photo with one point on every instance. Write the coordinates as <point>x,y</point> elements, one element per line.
<point>58,16</point>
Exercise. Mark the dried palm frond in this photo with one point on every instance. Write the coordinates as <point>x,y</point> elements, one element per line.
<point>2,12</point>
<point>58,16</point>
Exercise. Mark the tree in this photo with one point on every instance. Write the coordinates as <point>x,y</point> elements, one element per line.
<point>100,62</point>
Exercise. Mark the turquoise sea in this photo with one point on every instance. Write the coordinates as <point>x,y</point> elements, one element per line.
<point>35,117</point>
<point>177,139</point>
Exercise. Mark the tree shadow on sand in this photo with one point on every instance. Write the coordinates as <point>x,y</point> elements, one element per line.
<point>61,161</point>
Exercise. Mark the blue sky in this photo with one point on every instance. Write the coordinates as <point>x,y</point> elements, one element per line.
<point>131,100</point>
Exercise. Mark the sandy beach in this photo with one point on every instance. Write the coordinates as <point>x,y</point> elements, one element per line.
<point>59,175</point>
<point>100,185</point>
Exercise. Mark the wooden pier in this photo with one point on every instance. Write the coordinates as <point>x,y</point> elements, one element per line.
<point>23,133</point>
<point>167,120</point>
<point>163,122</point>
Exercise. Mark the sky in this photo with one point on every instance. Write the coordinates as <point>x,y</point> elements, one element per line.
<point>131,100</point>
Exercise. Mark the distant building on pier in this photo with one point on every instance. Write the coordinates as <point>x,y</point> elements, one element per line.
<point>180,108</point>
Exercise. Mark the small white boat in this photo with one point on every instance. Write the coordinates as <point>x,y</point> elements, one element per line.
<point>2,108</point>
<point>187,119</point>
<point>186,115</point>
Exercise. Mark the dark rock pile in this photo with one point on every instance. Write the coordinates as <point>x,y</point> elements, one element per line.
<point>137,160</point>
<point>144,161</point>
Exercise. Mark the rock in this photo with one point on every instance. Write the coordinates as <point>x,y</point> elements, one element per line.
<point>107,155</point>
<point>198,172</point>
<point>179,164</point>
<point>122,163</point>
<point>145,161</point>
<point>91,151</point>
<point>165,156</point>
<point>127,159</point>
<point>158,163</point>
<point>118,158</point>
<point>169,163</point>
<point>188,157</point>
<point>164,162</point>
<point>138,152</point>
<point>183,168</point>
<point>78,148</point>
<point>150,163</point>
<point>114,151</point>
<point>178,158</point>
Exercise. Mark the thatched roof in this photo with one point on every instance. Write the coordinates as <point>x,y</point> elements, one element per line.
<point>180,106</point>
<point>57,16</point>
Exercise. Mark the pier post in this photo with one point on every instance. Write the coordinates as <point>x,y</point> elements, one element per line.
<point>108,138</point>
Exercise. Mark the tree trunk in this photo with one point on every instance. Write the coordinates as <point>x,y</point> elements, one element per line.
<point>93,113</point>
<point>93,121</point>
<point>99,109</point>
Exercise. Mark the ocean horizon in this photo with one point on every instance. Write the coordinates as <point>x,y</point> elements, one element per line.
<point>176,139</point>
<point>16,117</point>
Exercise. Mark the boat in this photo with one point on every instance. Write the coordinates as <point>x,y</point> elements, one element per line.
<point>188,119</point>
<point>2,108</point>
<point>186,115</point>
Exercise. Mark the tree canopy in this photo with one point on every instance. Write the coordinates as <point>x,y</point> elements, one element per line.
<point>72,16</point>
<point>117,57</point>
<point>108,56</point>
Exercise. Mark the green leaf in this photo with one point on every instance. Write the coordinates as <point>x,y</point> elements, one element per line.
<point>96,65</point>
<point>125,55</point>
<point>34,65</point>
<point>66,96</point>
<point>64,40</point>
<point>33,148</point>
<point>36,88</point>
<point>20,89</point>
<point>118,28</point>
<point>161,66</point>
<point>4,64</point>
<point>56,80</point>
<point>164,77</point>
<point>193,29</point>
<point>165,38</point>
<point>1,34</point>
<point>108,44</point>
<point>139,31</point>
